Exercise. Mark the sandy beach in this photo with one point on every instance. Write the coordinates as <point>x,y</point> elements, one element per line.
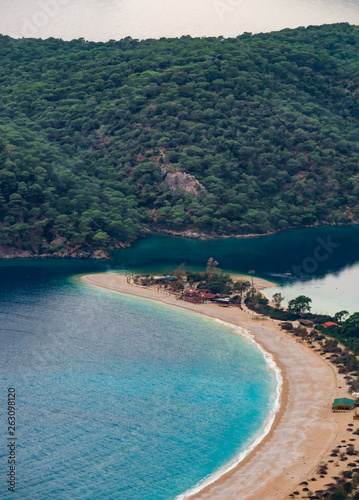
<point>304,431</point>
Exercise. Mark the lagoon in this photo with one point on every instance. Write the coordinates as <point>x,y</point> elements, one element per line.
<point>322,263</point>
<point>103,385</point>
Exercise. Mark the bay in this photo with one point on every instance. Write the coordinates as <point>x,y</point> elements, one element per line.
<point>321,263</point>
<point>330,294</point>
<point>301,253</point>
<point>119,397</point>
<point>102,20</point>
<point>122,397</point>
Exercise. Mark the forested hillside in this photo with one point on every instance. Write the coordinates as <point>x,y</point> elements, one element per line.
<point>101,141</point>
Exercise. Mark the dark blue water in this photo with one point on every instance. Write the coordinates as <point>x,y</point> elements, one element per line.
<point>304,253</point>
<point>118,397</point>
<point>322,263</point>
<point>122,398</point>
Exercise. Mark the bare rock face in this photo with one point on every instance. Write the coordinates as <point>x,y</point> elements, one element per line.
<point>63,253</point>
<point>181,180</point>
<point>99,255</point>
<point>59,240</point>
<point>14,254</point>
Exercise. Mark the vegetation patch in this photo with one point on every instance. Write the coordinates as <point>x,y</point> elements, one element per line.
<point>101,142</point>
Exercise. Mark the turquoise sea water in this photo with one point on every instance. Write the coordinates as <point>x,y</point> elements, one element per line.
<point>119,397</point>
<point>126,399</point>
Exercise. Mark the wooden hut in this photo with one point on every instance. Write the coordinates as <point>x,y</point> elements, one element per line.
<point>343,404</point>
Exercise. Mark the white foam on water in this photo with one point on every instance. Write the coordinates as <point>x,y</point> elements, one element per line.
<point>242,332</point>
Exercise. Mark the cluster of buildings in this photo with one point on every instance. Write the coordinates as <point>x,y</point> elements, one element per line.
<point>202,296</point>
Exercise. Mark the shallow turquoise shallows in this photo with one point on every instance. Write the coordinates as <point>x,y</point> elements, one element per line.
<point>125,399</point>
<point>118,397</point>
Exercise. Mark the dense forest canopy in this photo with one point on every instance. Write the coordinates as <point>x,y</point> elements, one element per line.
<point>101,141</point>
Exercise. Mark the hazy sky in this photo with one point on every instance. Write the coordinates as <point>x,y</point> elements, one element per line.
<point>106,19</point>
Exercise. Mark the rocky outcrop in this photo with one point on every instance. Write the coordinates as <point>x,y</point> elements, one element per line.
<point>6,253</point>
<point>184,234</point>
<point>60,254</point>
<point>65,252</point>
<point>79,253</point>
<point>181,180</point>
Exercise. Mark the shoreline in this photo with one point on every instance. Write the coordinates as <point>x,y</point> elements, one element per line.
<point>264,431</point>
<point>7,253</point>
<point>189,234</point>
<point>304,427</point>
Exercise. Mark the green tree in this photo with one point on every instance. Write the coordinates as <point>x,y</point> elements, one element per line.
<point>241,286</point>
<point>339,316</point>
<point>212,266</point>
<point>353,320</point>
<point>338,495</point>
<point>348,487</point>
<point>219,283</point>
<point>300,305</point>
<point>277,299</point>
<point>101,238</point>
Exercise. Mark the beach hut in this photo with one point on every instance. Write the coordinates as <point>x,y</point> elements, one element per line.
<point>343,404</point>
